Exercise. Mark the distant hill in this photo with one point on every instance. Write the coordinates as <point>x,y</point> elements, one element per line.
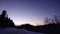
<point>48,29</point>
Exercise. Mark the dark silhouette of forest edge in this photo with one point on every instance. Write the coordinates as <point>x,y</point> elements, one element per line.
<point>52,27</point>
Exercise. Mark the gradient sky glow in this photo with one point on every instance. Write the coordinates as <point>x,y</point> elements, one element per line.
<point>30,11</point>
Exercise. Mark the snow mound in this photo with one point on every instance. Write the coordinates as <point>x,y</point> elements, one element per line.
<point>16,31</point>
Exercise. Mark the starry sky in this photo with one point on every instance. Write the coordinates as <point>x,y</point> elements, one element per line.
<point>30,11</point>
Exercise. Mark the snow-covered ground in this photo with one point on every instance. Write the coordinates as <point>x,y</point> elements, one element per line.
<point>16,31</point>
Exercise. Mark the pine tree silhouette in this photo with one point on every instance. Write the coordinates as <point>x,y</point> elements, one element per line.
<point>5,21</point>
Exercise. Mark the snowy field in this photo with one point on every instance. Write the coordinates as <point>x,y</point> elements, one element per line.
<point>16,31</point>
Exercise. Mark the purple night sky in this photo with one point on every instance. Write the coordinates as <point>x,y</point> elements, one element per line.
<point>30,11</point>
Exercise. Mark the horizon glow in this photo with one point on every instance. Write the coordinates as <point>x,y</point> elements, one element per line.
<point>30,11</point>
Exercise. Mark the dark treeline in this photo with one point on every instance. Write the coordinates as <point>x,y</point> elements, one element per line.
<point>48,29</point>
<point>53,26</point>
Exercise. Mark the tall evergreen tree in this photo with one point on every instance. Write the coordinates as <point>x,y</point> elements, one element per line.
<point>5,21</point>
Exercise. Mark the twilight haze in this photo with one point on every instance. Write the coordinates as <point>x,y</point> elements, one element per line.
<point>30,11</point>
